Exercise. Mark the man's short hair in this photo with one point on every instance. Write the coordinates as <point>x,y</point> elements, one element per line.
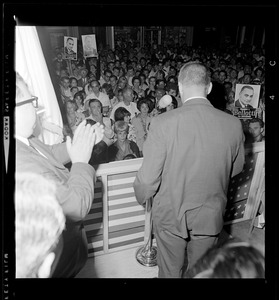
<point>120,113</point>
<point>249,87</point>
<point>232,260</point>
<point>194,73</point>
<point>39,222</point>
<point>97,101</point>
<point>257,120</point>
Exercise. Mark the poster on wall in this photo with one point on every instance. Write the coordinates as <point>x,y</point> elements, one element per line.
<point>246,101</point>
<point>89,45</point>
<point>70,48</point>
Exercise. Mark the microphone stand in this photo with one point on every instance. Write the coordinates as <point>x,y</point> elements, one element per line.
<point>146,255</point>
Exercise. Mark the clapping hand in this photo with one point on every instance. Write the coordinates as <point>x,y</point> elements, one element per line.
<point>85,137</point>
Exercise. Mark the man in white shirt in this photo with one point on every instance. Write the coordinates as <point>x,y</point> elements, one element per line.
<point>127,103</point>
<point>97,94</point>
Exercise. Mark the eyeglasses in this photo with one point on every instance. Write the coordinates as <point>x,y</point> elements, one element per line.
<point>33,100</point>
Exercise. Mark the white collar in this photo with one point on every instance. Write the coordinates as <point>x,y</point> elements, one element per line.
<point>23,140</point>
<point>195,97</point>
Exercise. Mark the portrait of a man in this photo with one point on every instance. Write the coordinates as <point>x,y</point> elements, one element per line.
<point>246,96</point>
<point>89,46</point>
<point>70,46</point>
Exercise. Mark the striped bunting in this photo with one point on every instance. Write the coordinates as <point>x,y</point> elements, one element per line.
<point>93,222</point>
<point>126,216</point>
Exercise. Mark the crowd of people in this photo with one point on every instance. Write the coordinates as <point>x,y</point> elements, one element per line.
<point>129,103</point>
<point>128,74</point>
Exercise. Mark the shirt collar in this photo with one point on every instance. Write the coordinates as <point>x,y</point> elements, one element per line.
<point>23,140</point>
<point>195,97</point>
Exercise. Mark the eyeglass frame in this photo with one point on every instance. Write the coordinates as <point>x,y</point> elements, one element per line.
<point>34,98</point>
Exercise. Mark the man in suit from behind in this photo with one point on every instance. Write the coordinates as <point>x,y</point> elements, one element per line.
<point>189,157</point>
<point>246,95</point>
<point>75,188</point>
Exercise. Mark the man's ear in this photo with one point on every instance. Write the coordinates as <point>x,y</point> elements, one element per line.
<point>262,129</point>
<point>209,88</point>
<point>45,268</point>
<point>180,89</point>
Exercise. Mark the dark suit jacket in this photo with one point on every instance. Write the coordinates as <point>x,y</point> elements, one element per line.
<point>81,83</point>
<point>75,194</point>
<point>67,51</point>
<point>189,156</point>
<point>237,104</point>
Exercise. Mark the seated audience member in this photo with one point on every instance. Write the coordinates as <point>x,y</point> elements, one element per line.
<point>127,103</point>
<point>143,83</point>
<point>65,89</point>
<point>73,90</point>
<point>107,89</point>
<point>105,77</point>
<point>83,77</point>
<point>122,82</point>
<point>172,90</point>
<point>130,74</point>
<point>245,79</point>
<point>256,129</point>
<point>259,76</point>
<point>159,93</point>
<point>139,92</point>
<point>152,86</point>
<point>160,84</point>
<point>79,99</point>
<point>96,114</point>
<point>122,114</point>
<point>231,260</point>
<point>95,93</point>
<point>75,188</point>
<point>167,103</point>
<point>74,118</point>
<point>113,82</point>
<point>39,223</point>
<point>122,147</point>
<point>141,122</point>
<point>172,79</point>
<point>74,83</point>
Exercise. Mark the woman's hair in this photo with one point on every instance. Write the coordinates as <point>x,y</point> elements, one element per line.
<point>120,113</point>
<point>121,126</point>
<point>81,95</point>
<point>148,102</point>
<point>232,260</point>
<point>70,102</point>
<point>136,78</point>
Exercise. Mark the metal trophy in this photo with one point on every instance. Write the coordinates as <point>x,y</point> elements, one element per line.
<point>146,255</point>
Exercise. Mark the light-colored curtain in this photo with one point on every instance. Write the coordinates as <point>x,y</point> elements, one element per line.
<point>31,65</point>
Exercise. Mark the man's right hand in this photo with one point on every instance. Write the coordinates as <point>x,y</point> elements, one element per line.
<point>86,136</point>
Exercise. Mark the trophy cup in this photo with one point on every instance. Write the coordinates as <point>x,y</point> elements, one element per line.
<point>146,255</point>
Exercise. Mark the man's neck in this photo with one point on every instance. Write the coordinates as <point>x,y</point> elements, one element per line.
<point>259,138</point>
<point>127,103</point>
<point>97,94</point>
